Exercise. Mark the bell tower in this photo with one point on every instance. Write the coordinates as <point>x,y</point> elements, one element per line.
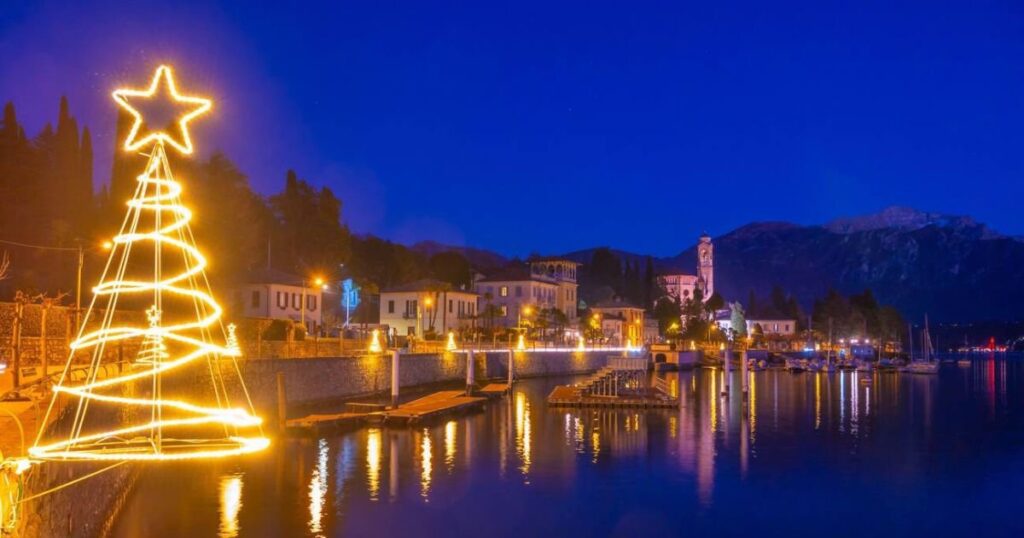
<point>706,265</point>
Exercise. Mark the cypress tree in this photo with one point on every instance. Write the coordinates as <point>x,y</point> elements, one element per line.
<point>85,186</point>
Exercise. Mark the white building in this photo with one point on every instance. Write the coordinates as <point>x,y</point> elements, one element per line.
<point>548,283</point>
<point>778,327</point>
<point>427,306</point>
<point>272,294</point>
<point>681,286</point>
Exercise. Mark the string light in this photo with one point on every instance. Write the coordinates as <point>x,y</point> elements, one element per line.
<point>163,73</point>
<point>158,195</point>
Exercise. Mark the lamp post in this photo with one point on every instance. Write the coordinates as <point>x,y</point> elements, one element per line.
<point>319,282</point>
<point>523,311</point>
<point>428,302</point>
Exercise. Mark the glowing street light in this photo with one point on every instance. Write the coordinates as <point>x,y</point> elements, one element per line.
<point>319,283</point>
<point>375,347</point>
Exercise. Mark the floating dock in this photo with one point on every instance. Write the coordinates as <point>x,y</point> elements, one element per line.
<point>433,405</point>
<point>353,414</point>
<point>569,396</point>
<point>494,390</point>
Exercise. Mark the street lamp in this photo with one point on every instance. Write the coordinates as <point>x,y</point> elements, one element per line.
<point>318,282</point>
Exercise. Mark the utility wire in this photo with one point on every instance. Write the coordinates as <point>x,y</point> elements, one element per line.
<point>41,247</point>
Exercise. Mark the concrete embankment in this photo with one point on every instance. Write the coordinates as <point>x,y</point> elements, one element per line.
<point>84,509</point>
<point>314,380</point>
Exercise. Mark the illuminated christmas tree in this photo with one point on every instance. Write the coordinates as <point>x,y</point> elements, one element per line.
<point>183,347</point>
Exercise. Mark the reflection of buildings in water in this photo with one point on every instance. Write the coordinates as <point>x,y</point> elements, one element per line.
<point>523,433</point>
<point>817,400</point>
<point>449,445</point>
<point>426,463</point>
<point>373,457</point>
<point>230,505</point>
<point>867,401</point>
<point>625,433</point>
<point>775,401</point>
<point>854,403</point>
<point>753,409</point>
<point>842,402</point>
<point>318,490</point>
<point>393,466</point>
<point>505,433</point>
<point>706,445</point>
<point>468,443</point>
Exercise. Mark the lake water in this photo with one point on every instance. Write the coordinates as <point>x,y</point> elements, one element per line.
<point>817,454</point>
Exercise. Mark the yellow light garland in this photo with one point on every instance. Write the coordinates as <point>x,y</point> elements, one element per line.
<point>158,195</point>
<point>165,74</point>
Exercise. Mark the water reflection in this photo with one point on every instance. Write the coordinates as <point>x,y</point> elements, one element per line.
<point>373,453</point>
<point>318,490</point>
<point>449,445</point>
<point>230,505</point>
<point>698,458</point>
<point>523,433</point>
<point>426,464</point>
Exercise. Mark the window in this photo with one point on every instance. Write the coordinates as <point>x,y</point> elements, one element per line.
<point>519,291</point>
<point>282,300</point>
<point>504,311</point>
<point>255,299</point>
<point>503,291</point>
<point>296,301</point>
<point>311,302</point>
<point>391,306</point>
<point>449,306</point>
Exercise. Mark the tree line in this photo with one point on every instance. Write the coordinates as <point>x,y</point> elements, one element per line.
<point>48,198</point>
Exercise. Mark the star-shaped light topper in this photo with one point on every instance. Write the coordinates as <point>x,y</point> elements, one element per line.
<point>162,84</point>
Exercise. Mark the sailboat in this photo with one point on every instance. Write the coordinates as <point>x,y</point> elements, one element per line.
<point>927,364</point>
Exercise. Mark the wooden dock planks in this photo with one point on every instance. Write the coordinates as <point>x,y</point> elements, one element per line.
<point>432,405</point>
<point>494,389</point>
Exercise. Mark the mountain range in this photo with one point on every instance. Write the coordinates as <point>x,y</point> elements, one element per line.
<point>952,268</point>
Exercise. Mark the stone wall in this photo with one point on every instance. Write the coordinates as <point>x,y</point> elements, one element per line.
<point>312,380</point>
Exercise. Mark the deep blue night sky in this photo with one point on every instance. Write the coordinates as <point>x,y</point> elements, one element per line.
<point>552,126</point>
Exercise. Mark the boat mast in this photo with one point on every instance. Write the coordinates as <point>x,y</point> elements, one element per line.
<point>910,337</point>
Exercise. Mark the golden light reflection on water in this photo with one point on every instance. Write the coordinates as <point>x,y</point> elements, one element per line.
<point>713,396</point>
<point>318,490</point>
<point>753,407</point>
<point>373,457</point>
<point>426,464</point>
<point>230,505</point>
<point>449,444</point>
<point>523,432</point>
<point>817,400</point>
